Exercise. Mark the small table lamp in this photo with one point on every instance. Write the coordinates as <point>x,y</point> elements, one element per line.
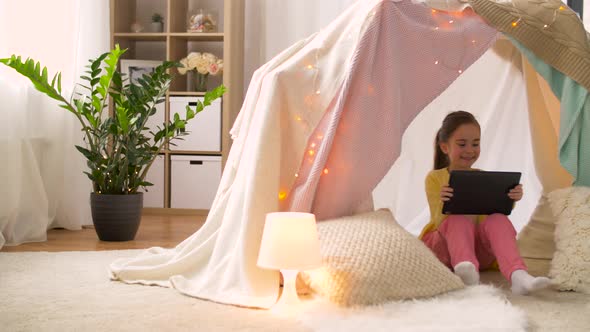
<point>290,244</point>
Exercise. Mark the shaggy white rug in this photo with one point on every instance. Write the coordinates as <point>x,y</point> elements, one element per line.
<point>71,291</point>
<point>482,308</point>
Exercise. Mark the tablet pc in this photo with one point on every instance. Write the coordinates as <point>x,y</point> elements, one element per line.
<point>479,192</point>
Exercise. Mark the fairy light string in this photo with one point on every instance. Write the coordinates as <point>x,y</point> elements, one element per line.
<point>517,22</point>
<point>310,101</point>
<point>441,22</point>
<point>444,20</point>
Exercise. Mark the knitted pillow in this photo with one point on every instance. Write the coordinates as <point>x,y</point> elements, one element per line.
<point>570,267</point>
<point>369,259</point>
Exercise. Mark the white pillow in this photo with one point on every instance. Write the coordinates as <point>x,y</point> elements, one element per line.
<point>370,259</point>
<point>570,267</point>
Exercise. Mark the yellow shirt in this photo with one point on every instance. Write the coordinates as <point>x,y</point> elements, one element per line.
<point>434,182</point>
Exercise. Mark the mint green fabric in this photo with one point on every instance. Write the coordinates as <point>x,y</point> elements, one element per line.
<point>574,128</point>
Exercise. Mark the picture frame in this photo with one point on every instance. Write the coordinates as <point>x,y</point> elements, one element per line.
<point>134,69</point>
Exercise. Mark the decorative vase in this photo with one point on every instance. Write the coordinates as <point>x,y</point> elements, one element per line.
<point>157,26</point>
<point>201,82</point>
<point>136,27</point>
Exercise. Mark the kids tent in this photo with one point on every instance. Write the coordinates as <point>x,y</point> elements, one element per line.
<point>322,123</point>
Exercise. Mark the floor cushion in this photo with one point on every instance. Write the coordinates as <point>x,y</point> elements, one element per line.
<point>369,259</point>
<point>570,267</point>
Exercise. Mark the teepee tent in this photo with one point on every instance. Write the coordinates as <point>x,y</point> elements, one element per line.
<point>322,124</point>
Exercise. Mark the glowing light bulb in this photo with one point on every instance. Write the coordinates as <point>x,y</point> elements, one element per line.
<point>460,71</point>
<point>434,10</point>
<point>451,21</point>
<point>545,26</point>
<point>317,92</point>
<point>436,28</point>
<point>326,171</point>
<point>298,118</point>
<point>313,145</point>
<point>561,7</point>
<point>296,175</point>
<point>514,24</point>
<point>282,195</point>
<point>309,67</point>
<point>436,62</point>
<point>311,152</point>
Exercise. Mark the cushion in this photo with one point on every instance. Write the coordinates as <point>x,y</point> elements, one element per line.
<point>369,259</point>
<point>535,240</point>
<point>570,267</point>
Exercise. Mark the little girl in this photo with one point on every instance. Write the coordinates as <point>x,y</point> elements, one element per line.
<point>468,243</point>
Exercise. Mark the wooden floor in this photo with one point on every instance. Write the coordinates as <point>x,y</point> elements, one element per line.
<point>154,231</point>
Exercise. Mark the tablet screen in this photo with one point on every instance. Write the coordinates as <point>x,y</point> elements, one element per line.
<point>480,192</point>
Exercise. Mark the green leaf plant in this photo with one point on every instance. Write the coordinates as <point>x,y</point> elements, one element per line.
<point>119,148</point>
<point>157,18</point>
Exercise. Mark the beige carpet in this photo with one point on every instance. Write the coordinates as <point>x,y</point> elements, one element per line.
<point>546,310</point>
<point>70,291</point>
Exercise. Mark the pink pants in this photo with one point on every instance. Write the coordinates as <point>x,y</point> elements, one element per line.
<point>458,239</point>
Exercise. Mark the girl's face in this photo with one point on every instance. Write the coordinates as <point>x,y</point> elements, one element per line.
<point>462,147</point>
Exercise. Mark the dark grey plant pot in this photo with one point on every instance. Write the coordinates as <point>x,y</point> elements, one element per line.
<point>116,217</point>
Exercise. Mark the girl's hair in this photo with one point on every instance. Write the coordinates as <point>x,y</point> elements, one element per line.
<point>451,122</point>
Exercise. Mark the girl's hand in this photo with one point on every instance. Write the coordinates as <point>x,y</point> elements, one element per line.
<point>516,193</point>
<point>446,193</point>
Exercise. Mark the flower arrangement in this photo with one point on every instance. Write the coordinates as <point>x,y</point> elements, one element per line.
<point>203,64</point>
<point>202,22</point>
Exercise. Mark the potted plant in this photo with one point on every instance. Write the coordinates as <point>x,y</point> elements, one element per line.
<point>119,149</point>
<point>157,22</point>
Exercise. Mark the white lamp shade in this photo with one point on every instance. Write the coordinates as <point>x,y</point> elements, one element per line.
<point>290,241</point>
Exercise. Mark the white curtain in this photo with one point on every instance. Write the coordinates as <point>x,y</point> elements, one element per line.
<point>41,174</point>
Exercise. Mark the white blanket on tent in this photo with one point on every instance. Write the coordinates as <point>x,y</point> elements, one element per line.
<point>319,87</point>
<point>219,261</point>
